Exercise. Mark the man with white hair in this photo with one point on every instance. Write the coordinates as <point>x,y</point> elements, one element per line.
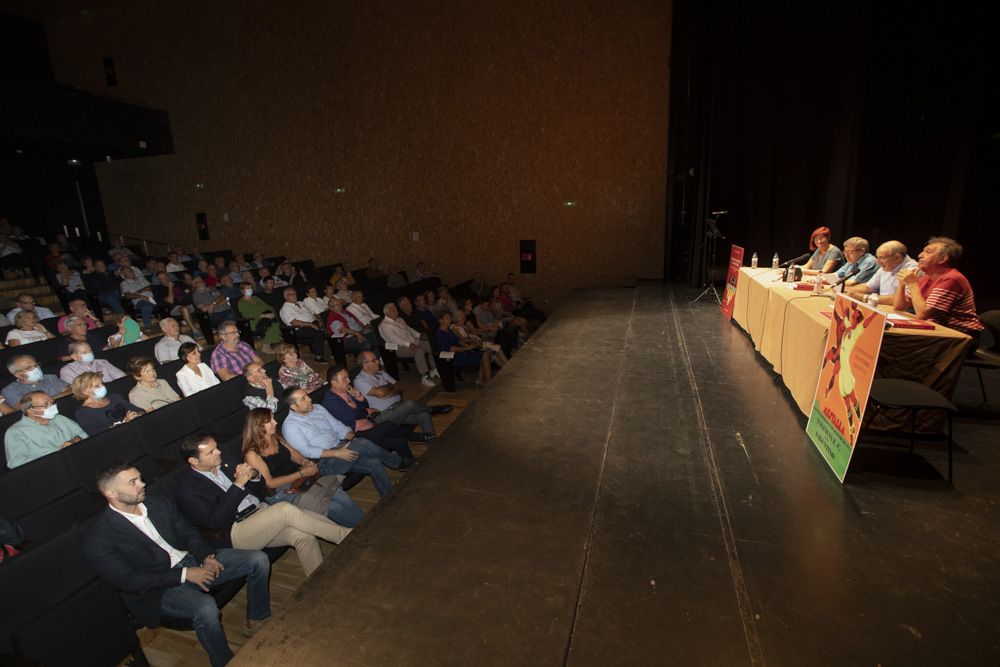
<point>307,327</point>
<point>892,258</point>
<point>29,377</point>
<point>858,257</point>
<point>171,341</point>
<point>27,302</point>
<point>40,431</point>
<point>411,343</point>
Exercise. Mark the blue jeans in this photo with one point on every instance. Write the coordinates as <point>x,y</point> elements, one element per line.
<point>146,310</point>
<point>342,509</point>
<point>112,300</point>
<point>407,412</point>
<point>370,460</point>
<point>189,601</point>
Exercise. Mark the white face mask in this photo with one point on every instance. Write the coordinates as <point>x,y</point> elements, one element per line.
<point>100,392</point>
<point>35,374</point>
<point>87,357</point>
<point>50,412</point>
<point>248,292</point>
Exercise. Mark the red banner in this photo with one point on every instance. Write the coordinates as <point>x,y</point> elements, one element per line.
<point>729,296</point>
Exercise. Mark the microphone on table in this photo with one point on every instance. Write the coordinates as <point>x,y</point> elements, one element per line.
<point>718,213</point>
<point>796,260</point>
<point>853,272</point>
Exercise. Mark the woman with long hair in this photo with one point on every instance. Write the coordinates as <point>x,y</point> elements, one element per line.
<point>292,477</point>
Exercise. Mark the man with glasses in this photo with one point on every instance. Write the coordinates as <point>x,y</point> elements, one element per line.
<point>27,302</point>
<point>315,434</point>
<point>79,308</point>
<point>211,301</point>
<point>29,377</point>
<point>892,257</point>
<point>385,394</point>
<point>42,430</point>
<point>231,355</point>
<point>858,257</point>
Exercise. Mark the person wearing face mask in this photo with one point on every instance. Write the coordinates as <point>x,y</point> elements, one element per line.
<point>100,410</point>
<point>42,430</point>
<point>263,319</point>
<point>84,362</point>
<point>29,377</point>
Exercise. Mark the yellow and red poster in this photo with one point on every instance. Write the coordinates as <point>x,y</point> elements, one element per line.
<point>729,296</point>
<point>849,358</point>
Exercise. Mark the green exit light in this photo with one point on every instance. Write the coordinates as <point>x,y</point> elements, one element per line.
<point>569,203</point>
<point>340,191</point>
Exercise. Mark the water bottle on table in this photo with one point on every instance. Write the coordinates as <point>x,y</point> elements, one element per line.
<point>775,261</point>
<point>753,261</point>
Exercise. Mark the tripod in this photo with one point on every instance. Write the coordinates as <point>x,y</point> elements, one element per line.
<point>712,236</point>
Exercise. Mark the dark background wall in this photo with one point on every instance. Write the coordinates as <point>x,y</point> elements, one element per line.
<point>335,130</point>
<point>875,119</point>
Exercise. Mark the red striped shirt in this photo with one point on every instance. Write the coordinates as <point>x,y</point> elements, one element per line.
<point>949,295</point>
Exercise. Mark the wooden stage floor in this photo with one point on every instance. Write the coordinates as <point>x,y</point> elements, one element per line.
<point>635,489</point>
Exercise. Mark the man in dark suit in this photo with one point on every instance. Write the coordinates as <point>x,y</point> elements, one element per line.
<point>161,565</point>
<point>214,496</point>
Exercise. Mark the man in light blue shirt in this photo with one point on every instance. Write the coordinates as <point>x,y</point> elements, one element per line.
<point>892,257</point>
<point>315,434</point>
<point>384,393</point>
<point>856,252</point>
<point>28,377</point>
<point>42,430</point>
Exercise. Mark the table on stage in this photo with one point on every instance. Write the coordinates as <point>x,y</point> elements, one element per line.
<point>788,329</point>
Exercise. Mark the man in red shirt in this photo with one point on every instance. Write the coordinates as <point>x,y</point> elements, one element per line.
<point>944,295</point>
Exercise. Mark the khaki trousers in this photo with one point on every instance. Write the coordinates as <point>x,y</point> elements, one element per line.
<point>284,524</point>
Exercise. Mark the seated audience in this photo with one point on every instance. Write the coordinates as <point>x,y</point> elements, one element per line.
<point>28,377</point>
<point>100,410</point>
<point>174,264</point>
<point>76,332</point>
<point>213,492</point>
<point>229,288</point>
<point>289,274</point>
<point>262,317</point>
<point>460,327</point>
<point>385,394</point>
<point>312,431</point>
<point>170,343</point>
<point>340,274</point>
<point>269,295</point>
<point>307,327</point>
<point>149,391</point>
<point>316,304</point>
<point>942,294</point>
<point>892,258</point>
<point>79,308</point>
<point>857,255</point>
<point>260,391</point>
<point>295,371</point>
<point>128,332</point>
<point>27,329</point>
<point>373,272</point>
<point>410,315</point>
<point>70,281</point>
<point>104,284</point>
<point>211,301</point>
<point>342,290</point>
<point>40,431</point>
<point>411,344</point>
<point>350,408</point>
<point>341,324</point>
<point>27,302</point>
<point>361,310</point>
<point>175,298</point>
<point>161,564</point>
<point>194,375</point>
<point>231,355</point>
<point>84,362</point>
<point>466,355</point>
<point>134,286</point>
<point>425,313</point>
<point>290,476</point>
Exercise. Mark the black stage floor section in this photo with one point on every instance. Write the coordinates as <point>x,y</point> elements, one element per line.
<point>636,489</point>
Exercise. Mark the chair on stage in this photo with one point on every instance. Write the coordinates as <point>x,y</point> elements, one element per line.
<point>912,396</point>
<point>987,357</point>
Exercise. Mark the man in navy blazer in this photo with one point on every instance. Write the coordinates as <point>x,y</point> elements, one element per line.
<point>161,565</point>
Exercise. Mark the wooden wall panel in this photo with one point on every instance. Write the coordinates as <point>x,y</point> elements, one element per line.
<point>467,122</point>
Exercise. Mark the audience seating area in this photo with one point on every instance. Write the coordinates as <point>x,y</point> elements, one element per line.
<point>54,498</point>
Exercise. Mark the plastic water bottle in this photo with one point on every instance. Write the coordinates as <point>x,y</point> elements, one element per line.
<point>775,261</point>
<point>753,261</point>
<point>873,300</point>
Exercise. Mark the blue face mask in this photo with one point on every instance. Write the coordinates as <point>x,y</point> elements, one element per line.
<point>100,392</point>
<point>35,374</point>
<point>50,412</point>
<point>87,358</point>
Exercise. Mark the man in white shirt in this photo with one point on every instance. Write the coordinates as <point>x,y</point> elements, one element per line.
<point>162,565</point>
<point>134,286</point>
<point>308,329</point>
<point>27,302</point>
<point>174,263</point>
<point>892,258</point>
<point>360,309</point>
<point>171,341</point>
<point>411,343</point>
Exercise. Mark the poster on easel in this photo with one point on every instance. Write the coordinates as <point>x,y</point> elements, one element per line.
<point>845,379</point>
<point>729,296</point>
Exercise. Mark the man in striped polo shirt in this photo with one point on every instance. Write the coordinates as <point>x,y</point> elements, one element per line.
<point>231,355</point>
<point>942,294</point>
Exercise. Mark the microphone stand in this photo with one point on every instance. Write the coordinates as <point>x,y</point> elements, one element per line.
<point>712,235</point>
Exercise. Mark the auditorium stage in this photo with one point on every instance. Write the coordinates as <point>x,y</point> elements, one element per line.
<point>635,489</point>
